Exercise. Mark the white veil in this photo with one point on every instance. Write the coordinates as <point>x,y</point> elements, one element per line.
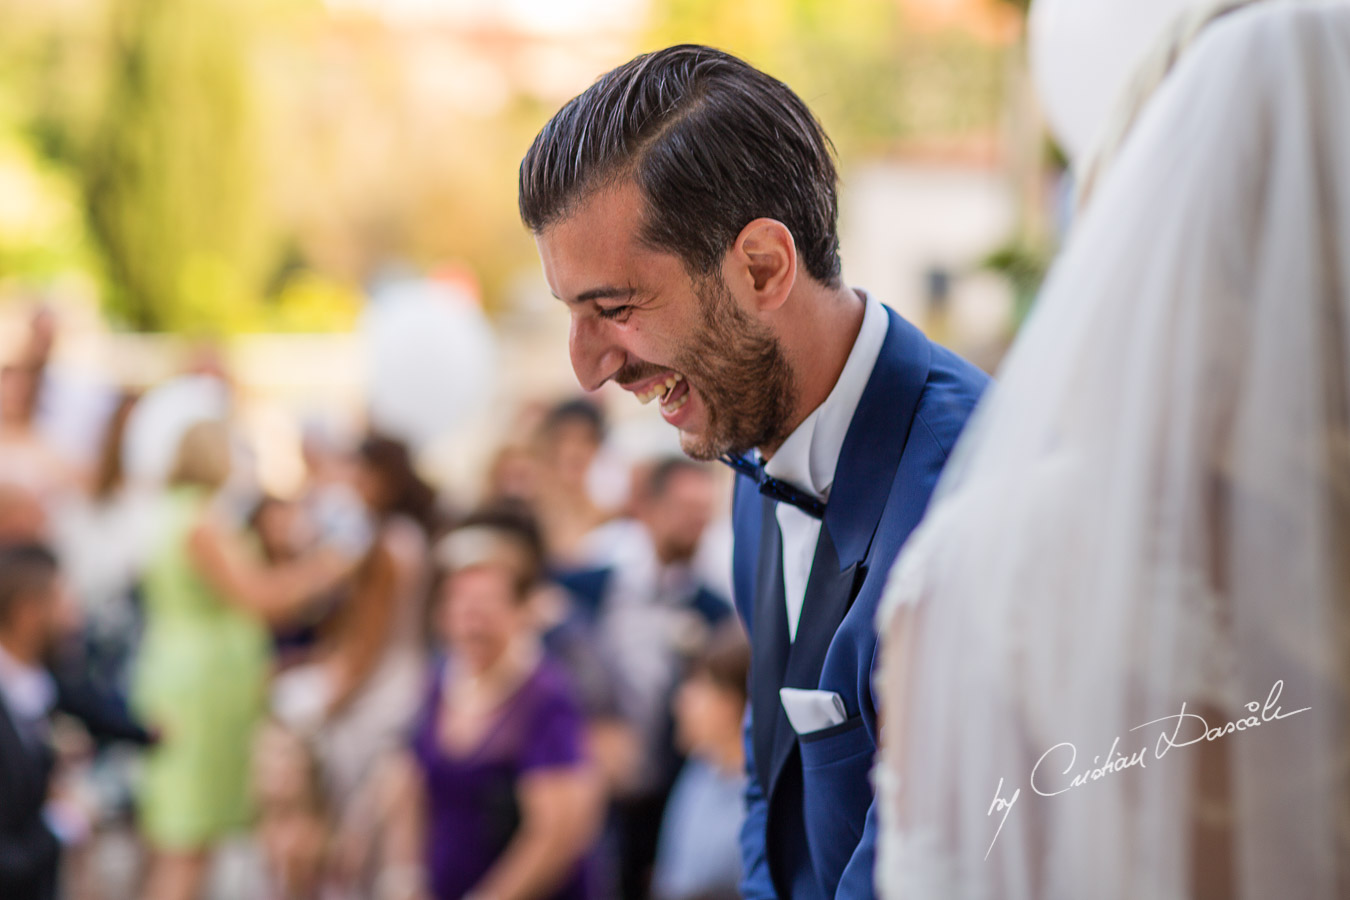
<point>1152,509</point>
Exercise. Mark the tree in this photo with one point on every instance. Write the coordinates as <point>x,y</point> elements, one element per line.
<point>171,171</point>
<point>870,74</point>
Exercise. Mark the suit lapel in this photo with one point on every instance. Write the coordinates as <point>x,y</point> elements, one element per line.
<point>876,440</point>
<point>864,476</point>
<point>768,662</point>
<point>33,760</point>
<point>829,594</point>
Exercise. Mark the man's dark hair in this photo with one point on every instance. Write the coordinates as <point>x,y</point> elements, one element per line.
<point>712,143</point>
<point>25,570</point>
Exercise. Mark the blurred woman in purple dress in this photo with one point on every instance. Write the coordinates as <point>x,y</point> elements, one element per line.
<point>503,801</point>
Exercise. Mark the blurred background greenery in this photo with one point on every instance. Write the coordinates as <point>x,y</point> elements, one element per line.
<point>218,167</point>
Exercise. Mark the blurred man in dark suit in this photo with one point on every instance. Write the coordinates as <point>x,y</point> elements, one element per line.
<point>35,615</point>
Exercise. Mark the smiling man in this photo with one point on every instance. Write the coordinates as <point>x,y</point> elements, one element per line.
<point>685,210</point>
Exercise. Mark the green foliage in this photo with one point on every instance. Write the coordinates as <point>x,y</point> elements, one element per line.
<point>170,174</point>
<point>1024,263</point>
<point>309,301</point>
<point>45,61</point>
<point>869,78</point>
<point>841,56</point>
<point>178,150</point>
<point>41,233</point>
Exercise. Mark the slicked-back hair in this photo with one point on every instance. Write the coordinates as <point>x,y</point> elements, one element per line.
<point>712,143</point>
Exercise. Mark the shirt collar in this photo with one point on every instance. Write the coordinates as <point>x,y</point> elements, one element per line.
<point>809,456</point>
<point>28,691</point>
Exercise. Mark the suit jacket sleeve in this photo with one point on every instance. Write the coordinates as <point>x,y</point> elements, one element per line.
<point>756,883</point>
<point>857,880</point>
<point>105,716</point>
<point>26,852</point>
<point>27,846</point>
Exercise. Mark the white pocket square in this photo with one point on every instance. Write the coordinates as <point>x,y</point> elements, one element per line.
<point>810,711</point>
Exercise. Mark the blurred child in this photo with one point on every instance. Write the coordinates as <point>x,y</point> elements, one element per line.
<point>293,825</point>
<point>698,857</point>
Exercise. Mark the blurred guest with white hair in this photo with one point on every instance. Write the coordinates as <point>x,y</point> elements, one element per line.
<point>498,796</point>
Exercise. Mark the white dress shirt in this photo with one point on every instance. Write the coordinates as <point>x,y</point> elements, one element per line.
<point>810,454</point>
<point>29,693</point>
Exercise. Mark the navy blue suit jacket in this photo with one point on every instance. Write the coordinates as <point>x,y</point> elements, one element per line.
<point>811,827</point>
<point>29,852</point>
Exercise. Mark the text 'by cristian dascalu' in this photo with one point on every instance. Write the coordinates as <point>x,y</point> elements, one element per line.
<point>1051,777</point>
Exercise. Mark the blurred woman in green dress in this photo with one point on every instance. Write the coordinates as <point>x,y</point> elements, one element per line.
<point>203,665</point>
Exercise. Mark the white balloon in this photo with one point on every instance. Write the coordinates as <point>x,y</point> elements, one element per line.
<point>432,356</point>
<point>1083,54</point>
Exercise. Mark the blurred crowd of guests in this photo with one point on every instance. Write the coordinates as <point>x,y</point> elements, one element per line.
<point>393,693</point>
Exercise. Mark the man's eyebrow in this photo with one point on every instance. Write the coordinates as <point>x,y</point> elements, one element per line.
<point>606,292</point>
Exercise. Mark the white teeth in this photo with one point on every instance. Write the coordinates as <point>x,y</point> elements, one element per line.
<point>675,405</point>
<point>660,389</point>
<point>671,381</point>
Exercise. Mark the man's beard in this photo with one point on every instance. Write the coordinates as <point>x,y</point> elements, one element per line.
<point>742,375</point>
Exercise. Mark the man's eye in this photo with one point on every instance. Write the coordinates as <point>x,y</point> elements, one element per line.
<point>614,312</point>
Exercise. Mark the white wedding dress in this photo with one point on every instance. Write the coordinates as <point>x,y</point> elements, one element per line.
<point>1152,509</point>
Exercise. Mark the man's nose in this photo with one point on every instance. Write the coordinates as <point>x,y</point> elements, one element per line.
<point>595,356</point>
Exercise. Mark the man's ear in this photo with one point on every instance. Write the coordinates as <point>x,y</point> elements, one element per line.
<point>763,262</point>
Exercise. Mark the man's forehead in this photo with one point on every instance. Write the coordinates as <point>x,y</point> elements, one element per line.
<point>597,245</point>
<point>605,222</point>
